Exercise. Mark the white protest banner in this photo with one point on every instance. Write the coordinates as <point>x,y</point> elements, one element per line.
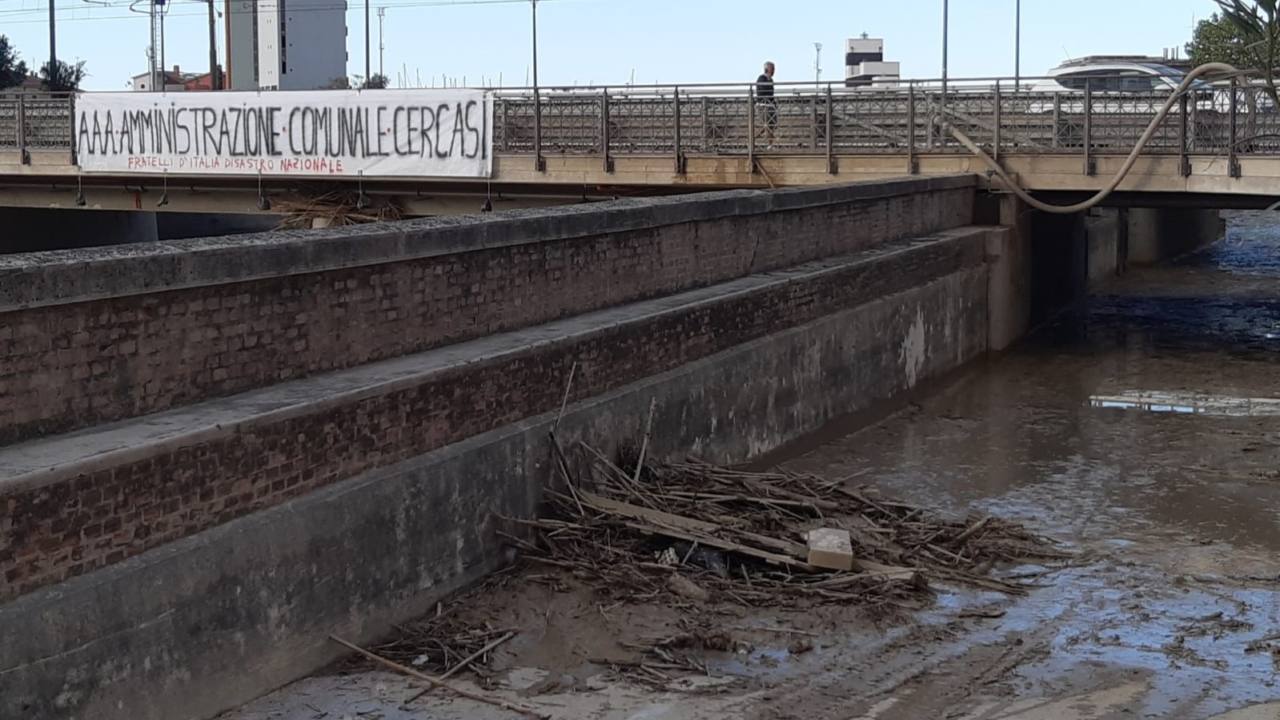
<point>321,133</point>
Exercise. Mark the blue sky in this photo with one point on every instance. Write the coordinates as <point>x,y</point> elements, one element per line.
<point>660,41</point>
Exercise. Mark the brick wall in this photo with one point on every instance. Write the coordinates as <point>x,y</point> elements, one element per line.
<point>61,528</point>
<point>94,336</point>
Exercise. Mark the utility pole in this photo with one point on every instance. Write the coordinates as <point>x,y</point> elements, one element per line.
<point>382,12</point>
<point>538,162</point>
<point>163,75</point>
<point>53,42</point>
<point>214,81</point>
<point>156,63</point>
<point>817,64</point>
<point>366,42</point>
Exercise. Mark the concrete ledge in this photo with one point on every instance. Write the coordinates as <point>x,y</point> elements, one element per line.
<point>180,322</point>
<point>103,495</point>
<point>68,276</point>
<point>205,623</point>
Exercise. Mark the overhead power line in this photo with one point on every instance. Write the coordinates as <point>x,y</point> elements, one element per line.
<point>312,8</point>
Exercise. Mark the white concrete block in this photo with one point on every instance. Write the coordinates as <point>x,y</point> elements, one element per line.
<point>830,548</point>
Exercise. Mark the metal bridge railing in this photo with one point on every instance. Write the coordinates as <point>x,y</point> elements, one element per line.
<point>1224,119</point>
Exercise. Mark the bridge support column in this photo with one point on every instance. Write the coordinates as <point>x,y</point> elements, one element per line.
<point>1009,274</point>
<point>1106,231</point>
<point>1158,234</point>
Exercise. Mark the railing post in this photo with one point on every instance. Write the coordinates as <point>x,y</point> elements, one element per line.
<point>24,157</point>
<point>1184,163</point>
<point>1089,167</point>
<point>813,126</point>
<point>751,128</point>
<point>996,132</point>
<point>1233,160</point>
<point>1057,119</point>
<point>678,152</point>
<point>539,163</point>
<point>912,166</point>
<point>604,130</point>
<point>71,125</point>
<point>831,144</point>
<point>506,125</point>
<point>706,126</point>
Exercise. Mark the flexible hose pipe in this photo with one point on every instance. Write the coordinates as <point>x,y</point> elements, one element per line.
<point>1129,162</point>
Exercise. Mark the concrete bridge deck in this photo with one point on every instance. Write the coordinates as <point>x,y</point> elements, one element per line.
<point>605,142</point>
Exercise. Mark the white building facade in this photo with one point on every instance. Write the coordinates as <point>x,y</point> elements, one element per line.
<point>865,65</point>
<point>286,44</point>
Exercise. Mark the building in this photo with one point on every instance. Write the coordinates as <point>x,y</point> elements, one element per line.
<point>1170,59</point>
<point>285,44</point>
<point>29,84</point>
<point>175,81</point>
<point>865,65</point>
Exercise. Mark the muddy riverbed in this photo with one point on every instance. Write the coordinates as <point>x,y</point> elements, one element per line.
<point>1142,432</point>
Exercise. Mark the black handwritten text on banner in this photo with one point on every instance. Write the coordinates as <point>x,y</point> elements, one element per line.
<point>400,133</point>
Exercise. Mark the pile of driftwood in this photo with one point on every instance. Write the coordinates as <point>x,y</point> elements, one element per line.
<point>639,530</point>
<point>335,208</point>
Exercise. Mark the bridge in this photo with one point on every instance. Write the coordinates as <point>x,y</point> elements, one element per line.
<point>569,144</point>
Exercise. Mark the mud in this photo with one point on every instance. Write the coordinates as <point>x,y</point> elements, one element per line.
<point>1142,431</point>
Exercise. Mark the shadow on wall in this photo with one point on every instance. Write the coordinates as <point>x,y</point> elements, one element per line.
<point>35,229</point>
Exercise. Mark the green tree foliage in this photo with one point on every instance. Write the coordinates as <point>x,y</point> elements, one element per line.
<point>377,82</point>
<point>1258,24</point>
<point>1217,39</point>
<point>64,77</point>
<point>12,70</point>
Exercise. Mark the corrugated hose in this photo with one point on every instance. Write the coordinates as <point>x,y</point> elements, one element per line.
<point>1026,197</point>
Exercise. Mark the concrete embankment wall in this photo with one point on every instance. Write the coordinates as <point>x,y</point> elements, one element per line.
<point>172,564</point>
<point>139,329</point>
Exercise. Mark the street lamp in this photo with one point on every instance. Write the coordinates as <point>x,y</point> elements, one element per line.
<point>1017,45</point>
<point>946,30</point>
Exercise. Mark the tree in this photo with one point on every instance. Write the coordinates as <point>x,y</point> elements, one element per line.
<point>12,70</point>
<point>1258,24</point>
<point>64,77</point>
<point>377,82</point>
<point>1217,39</point>
<point>339,83</point>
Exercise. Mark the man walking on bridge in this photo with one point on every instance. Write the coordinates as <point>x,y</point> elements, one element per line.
<point>764,91</point>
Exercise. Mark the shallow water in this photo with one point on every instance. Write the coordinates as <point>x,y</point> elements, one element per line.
<point>1144,431</point>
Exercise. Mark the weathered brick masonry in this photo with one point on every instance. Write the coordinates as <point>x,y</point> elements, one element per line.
<point>65,527</point>
<point>91,336</point>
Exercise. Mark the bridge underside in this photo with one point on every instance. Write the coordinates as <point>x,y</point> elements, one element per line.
<point>50,181</point>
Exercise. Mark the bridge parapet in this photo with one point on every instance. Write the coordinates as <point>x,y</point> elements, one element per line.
<point>730,120</point>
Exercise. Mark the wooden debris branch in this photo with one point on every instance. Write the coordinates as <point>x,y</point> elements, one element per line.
<point>630,524</point>
<point>437,682</point>
<point>461,666</point>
